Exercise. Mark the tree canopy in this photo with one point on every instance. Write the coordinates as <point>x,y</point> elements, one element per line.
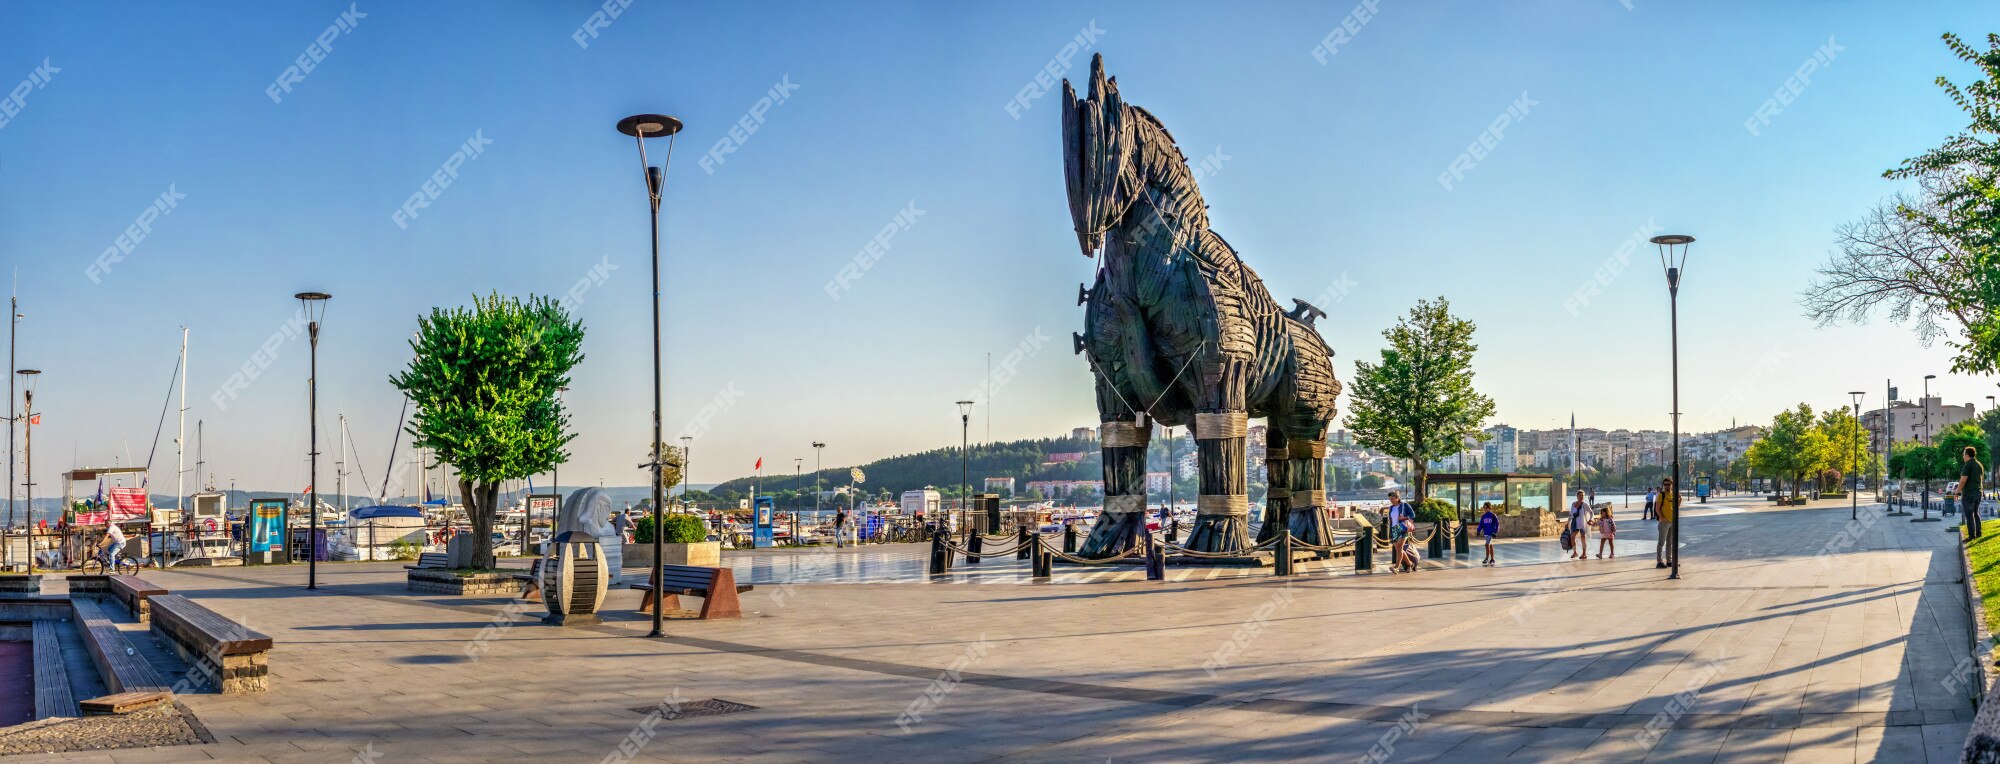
<point>1418,403</point>
<point>484,381</point>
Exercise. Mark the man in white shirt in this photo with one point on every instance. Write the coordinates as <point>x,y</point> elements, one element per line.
<point>114,541</point>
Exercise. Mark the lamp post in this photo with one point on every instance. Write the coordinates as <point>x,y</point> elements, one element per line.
<point>641,127</point>
<point>310,302</point>
<point>1674,267</point>
<point>798,482</point>
<point>1925,402</point>
<point>965,458</point>
<point>817,447</point>
<point>28,455</point>
<point>13,327</point>
<point>687,463</point>
<point>1854,501</point>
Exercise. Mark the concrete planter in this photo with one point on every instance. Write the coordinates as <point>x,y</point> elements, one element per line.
<point>703,553</point>
<point>21,584</point>
<point>472,585</point>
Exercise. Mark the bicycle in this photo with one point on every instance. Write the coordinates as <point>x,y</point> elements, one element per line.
<point>123,566</point>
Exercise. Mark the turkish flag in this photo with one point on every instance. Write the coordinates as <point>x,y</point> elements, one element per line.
<point>36,419</point>
<point>760,463</point>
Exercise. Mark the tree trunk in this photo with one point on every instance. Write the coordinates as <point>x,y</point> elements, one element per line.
<point>479,500</point>
<point>1423,478</point>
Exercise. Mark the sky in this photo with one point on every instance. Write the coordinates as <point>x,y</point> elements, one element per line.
<point>813,129</point>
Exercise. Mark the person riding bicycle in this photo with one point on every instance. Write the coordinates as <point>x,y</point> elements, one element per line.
<point>114,542</point>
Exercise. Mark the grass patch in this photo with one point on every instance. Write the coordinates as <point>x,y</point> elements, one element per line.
<point>1983,554</point>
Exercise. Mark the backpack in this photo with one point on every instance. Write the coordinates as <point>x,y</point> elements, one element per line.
<point>1567,544</point>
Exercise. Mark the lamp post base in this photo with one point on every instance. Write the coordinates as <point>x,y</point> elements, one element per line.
<point>1926,519</point>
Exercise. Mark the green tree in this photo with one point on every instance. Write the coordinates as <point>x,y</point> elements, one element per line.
<point>484,382</point>
<point>1952,443</point>
<point>1793,447</point>
<point>1936,256</point>
<point>1419,403</point>
<point>1846,444</point>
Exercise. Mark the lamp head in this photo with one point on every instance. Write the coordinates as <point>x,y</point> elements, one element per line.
<point>649,125</point>
<point>965,408</point>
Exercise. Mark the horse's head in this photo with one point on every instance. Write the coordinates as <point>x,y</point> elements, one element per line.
<point>1098,147</point>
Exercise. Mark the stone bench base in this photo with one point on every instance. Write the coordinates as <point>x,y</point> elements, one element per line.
<point>477,585</point>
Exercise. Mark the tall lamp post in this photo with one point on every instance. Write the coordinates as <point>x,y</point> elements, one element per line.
<point>13,326</point>
<point>1674,267</point>
<point>641,127</point>
<point>1854,501</point>
<point>965,460</point>
<point>1925,402</point>
<point>28,377</point>
<point>687,464</point>
<point>817,447</point>
<point>314,307</point>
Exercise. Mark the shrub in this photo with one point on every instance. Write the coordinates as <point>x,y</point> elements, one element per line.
<point>1436,511</point>
<point>681,529</point>
<point>402,550</point>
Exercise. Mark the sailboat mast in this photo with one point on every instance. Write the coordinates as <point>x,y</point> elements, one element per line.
<point>340,467</point>
<point>180,434</point>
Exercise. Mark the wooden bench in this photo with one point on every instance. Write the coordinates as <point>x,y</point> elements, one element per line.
<point>531,581</point>
<point>123,668</point>
<point>134,591</point>
<point>52,695</point>
<point>229,653</point>
<point>431,561</point>
<point>716,587</point>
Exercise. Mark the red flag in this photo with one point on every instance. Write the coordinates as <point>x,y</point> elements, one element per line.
<point>307,489</point>
<point>760,463</point>
<point>36,419</point>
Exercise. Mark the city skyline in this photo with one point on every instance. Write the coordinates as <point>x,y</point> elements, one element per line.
<point>840,269</point>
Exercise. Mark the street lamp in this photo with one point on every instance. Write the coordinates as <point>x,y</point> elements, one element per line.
<point>1925,402</point>
<point>687,464</point>
<point>641,127</point>
<point>798,482</point>
<point>1854,500</point>
<point>1674,267</point>
<point>313,306</point>
<point>817,447</point>
<point>965,460</point>
<point>28,377</point>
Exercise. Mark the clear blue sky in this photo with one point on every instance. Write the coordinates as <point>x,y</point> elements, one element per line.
<point>1330,178</point>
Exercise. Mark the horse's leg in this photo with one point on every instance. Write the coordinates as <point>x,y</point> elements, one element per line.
<point>1309,520</point>
<point>1221,430</point>
<point>1122,438</point>
<point>1277,479</point>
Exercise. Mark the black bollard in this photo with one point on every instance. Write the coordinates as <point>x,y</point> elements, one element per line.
<point>1436,545</point>
<point>1021,534</point>
<point>1069,538</point>
<point>1283,566</point>
<point>973,544</point>
<point>1461,542</point>
<point>1174,531</point>
<point>1040,559</point>
<point>940,555</point>
<point>1364,550</point>
<point>1156,562</point>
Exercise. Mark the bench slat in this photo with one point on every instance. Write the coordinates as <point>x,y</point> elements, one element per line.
<point>123,668</point>
<point>52,695</point>
<point>193,624</point>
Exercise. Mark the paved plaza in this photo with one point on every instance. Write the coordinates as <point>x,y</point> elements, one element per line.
<point>1794,635</point>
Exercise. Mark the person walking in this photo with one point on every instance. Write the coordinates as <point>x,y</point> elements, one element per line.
<point>1579,517</point>
<point>839,527</point>
<point>1489,526</point>
<point>1651,495</point>
<point>1666,550</point>
<point>1607,533</point>
<point>1396,517</point>
<point>1969,491</point>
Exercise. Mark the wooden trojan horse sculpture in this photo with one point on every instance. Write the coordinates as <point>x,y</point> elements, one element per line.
<point>1180,331</point>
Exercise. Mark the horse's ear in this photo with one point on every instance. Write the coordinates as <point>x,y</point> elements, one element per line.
<point>1098,84</point>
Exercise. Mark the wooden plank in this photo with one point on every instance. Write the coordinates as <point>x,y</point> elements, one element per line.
<point>52,694</point>
<point>125,702</point>
<point>202,630</point>
<point>123,669</point>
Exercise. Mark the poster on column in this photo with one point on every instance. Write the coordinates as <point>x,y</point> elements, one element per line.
<point>266,522</point>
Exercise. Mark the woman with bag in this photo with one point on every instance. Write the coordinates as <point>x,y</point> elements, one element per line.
<point>1579,517</point>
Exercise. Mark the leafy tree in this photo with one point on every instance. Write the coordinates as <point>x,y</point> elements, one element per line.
<point>484,382</point>
<point>1419,403</point>
<point>1951,443</point>
<point>1846,444</point>
<point>1371,480</point>
<point>1794,447</point>
<point>1938,255</point>
<point>671,461</point>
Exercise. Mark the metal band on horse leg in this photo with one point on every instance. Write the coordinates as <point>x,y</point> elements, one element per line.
<point>1221,425</point>
<point>1237,505</point>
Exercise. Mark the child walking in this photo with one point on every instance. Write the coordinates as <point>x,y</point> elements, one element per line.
<point>1489,526</point>
<point>1607,533</point>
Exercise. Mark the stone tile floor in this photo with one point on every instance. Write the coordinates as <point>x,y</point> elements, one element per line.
<point>1794,635</point>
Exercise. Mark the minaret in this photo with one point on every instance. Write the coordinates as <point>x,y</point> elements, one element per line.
<point>1572,443</point>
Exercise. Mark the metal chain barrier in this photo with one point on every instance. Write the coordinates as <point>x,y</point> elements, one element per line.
<point>1135,549</point>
